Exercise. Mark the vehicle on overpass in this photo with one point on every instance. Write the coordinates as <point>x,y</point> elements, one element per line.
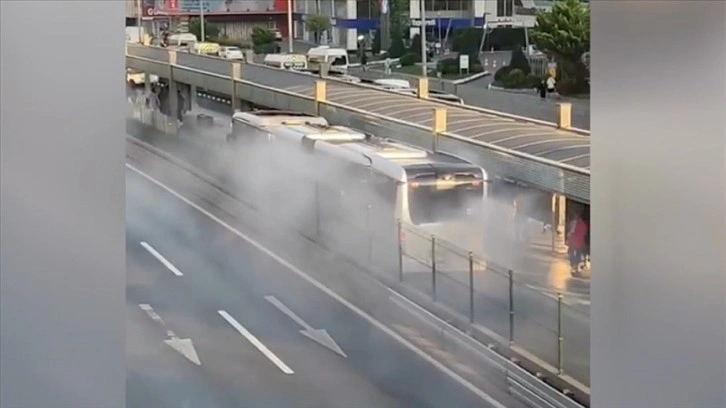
<point>136,78</point>
<point>297,62</point>
<point>231,53</point>
<point>336,58</point>
<point>416,186</point>
<point>206,48</point>
<point>403,86</point>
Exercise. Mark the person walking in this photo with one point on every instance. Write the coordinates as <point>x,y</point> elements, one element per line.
<point>551,83</point>
<point>542,89</point>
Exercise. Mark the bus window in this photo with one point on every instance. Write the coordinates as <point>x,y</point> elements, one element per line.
<point>446,196</point>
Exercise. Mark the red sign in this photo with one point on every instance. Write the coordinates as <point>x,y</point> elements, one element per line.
<point>172,5</point>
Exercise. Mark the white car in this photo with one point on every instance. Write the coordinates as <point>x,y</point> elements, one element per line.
<point>136,78</point>
<point>232,53</point>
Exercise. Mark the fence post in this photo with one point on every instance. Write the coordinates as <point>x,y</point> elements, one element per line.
<point>400,250</point>
<point>560,353</point>
<point>511,307</point>
<point>433,266</point>
<point>471,287</point>
<point>321,94</point>
<point>438,126</point>
<point>368,233</point>
<point>172,118</point>
<point>423,88</point>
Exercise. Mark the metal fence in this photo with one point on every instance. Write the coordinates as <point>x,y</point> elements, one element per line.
<point>354,221</point>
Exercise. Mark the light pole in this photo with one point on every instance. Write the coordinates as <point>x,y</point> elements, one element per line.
<point>201,17</point>
<point>424,65</point>
<point>289,26</point>
<point>138,20</point>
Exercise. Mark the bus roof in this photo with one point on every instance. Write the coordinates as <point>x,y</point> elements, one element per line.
<point>276,118</point>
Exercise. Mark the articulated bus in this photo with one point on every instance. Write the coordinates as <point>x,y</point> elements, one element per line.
<point>438,192</point>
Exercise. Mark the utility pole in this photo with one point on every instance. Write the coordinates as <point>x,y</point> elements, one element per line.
<point>138,20</point>
<point>201,18</point>
<point>289,26</point>
<point>424,65</point>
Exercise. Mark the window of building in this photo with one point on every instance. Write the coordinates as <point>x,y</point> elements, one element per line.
<point>367,9</point>
<point>447,5</point>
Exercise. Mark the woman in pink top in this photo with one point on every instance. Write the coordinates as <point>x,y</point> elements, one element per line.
<point>576,242</point>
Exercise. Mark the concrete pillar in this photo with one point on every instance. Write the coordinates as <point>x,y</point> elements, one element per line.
<point>173,97</point>
<point>193,98</point>
<point>438,125</point>
<point>147,83</point>
<point>423,88</point>
<point>559,224</point>
<point>236,76</point>
<point>564,118</point>
<point>321,91</point>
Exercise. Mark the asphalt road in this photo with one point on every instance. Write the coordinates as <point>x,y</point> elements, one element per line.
<point>208,270</point>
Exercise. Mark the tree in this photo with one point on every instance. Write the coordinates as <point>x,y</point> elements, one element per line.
<point>397,26</point>
<point>416,45</point>
<point>519,61</point>
<point>564,34</point>
<point>210,30</point>
<point>263,40</point>
<point>318,24</point>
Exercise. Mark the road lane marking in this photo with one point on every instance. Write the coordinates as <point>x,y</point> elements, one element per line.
<point>255,342</point>
<point>184,346</point>
<point>370,319</point>
<point>161,259</point>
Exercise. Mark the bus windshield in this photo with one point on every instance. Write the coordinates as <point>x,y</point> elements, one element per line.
<point>447,196</point>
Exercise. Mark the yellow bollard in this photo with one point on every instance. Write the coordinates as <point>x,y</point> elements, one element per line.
<point>321,94</point>
<point>564,120</point>
<point>438,126</point>
<point>423,88</point>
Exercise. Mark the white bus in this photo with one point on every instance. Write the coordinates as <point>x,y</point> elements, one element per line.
<point>416,186</point>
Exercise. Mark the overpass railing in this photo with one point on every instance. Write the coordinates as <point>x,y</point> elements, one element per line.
<point>526,323</point>
<point>218,75</point>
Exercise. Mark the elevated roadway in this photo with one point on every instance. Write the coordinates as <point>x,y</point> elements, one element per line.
<point>533,152</point>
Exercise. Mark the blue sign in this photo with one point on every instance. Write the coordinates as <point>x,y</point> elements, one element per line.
<point>194,5</point>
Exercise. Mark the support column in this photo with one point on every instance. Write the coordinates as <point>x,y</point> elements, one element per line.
<point>438,126</point>
<point>559,226</point>
<point>173,96</point>
<point>147,83</point>
<point>423,88</point>
<point>564,118</point>
<point>321,90</point>
<point>236,76</point>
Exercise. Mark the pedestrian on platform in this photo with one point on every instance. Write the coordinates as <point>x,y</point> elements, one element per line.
<point>542,89</point>
<point>551,82</point>
<point>364,60</point>
<point>576,243</point>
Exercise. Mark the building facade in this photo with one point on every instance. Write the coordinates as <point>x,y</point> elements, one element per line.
<point>351,18</point>
<point>234,18</point>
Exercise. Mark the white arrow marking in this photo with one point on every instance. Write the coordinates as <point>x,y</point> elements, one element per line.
<point>255,342</point>
<point>184,346</point>
<point>161,259</point>
<point>318,335</point>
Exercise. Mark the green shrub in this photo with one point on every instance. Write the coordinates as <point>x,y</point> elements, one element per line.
<point>242,44</point>
<point>502,73</point>
<point>262,36</point>
<point>409,59</point>
<point>532,81</point>
<point>466,40</point>
<point>416,45</point>
<point>516,78</point>
<point>376,46</point>
<point>270,48</point>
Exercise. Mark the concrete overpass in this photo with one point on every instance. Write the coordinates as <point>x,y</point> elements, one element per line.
<point>547,156</point>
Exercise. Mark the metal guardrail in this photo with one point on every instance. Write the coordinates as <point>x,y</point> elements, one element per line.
<point>216,76</point>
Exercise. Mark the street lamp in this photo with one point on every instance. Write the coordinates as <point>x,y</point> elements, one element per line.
<point>424,65</point>
<point>289,26</point>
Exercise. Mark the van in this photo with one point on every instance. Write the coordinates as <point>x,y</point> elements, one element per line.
<point>337,58</point>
